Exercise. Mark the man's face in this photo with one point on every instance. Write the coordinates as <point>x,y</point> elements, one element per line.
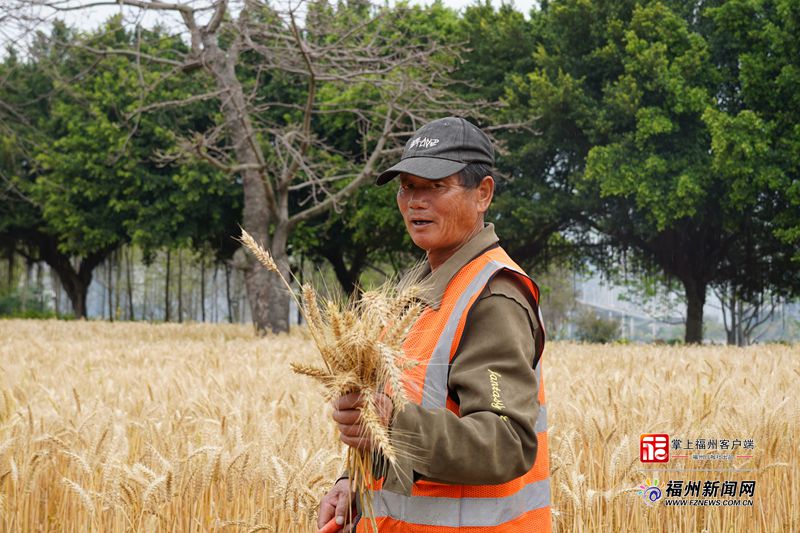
<point>442,215</point>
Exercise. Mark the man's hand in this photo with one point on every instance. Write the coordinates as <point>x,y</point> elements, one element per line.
<point>346,412</point>
<point>338,503</point>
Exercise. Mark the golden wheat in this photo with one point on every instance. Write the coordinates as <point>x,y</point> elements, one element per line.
<point>210,420</point>
<point>360,342</point>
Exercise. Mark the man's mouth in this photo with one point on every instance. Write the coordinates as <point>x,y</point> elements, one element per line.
<point>420,222</point>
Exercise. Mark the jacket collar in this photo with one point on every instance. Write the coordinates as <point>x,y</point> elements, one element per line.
<point>433,284</point>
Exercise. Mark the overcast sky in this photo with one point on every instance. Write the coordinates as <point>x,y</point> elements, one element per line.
<point>92,17</point>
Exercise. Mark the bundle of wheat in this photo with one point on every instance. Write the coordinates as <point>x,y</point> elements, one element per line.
<point>360,342</point>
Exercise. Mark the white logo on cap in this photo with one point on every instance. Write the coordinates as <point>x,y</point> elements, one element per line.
<point>423,142</point>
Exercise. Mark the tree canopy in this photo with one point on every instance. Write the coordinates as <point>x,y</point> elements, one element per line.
<point>647,122</point>
<point>662,134</point>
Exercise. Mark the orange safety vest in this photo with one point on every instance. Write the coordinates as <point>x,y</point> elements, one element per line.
<point>521,505</point>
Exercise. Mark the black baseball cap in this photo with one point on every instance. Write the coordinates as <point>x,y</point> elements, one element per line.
<point>440,149</point>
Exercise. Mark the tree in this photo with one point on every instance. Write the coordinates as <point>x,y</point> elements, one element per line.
<point>637,98</point>
<point>348,49</point>
<point>590,327</point>
<point>758,49</point>
<point>22,219</point>
<point>756,141</point>
<point>535,200</point>
<point>367,231</point>
<point>82,178</point>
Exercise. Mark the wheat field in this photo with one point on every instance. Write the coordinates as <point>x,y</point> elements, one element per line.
<point>139,427</point>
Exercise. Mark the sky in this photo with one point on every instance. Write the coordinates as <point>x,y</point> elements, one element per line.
<point>92,17</point>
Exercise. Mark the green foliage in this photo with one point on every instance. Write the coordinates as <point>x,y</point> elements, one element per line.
<point>657,162</point>
<point>19,304</point>
<point>557,297</point>
<point>665,134</point>
<point>650,127</point>
<point>366,230</point>
<point>590,327</point>
<point>532,205</point>
<point>88,172</point>
<point>81,162</point>
<point>498,43</point>
<point>760,50</point>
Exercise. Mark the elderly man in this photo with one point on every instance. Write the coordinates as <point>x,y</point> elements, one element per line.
<point>476,430</point>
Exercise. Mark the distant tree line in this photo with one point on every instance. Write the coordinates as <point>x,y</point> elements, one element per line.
<point>652,139</point>
<point>174,285</point>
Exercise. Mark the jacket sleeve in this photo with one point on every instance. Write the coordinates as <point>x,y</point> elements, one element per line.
<point>493,381</point>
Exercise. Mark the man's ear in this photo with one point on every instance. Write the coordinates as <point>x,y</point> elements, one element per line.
<point>485,193</point>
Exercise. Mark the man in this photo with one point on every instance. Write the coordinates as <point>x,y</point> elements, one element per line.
<point>475,430</point>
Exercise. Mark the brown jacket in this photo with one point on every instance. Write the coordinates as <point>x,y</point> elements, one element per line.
<point>484,445</point>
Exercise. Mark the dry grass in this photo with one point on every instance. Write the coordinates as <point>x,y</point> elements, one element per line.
<point>136,427</point>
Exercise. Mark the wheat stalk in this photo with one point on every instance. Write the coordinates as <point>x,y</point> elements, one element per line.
<point>263,256</point>
<point>82,494</point>
<point>361,347</point>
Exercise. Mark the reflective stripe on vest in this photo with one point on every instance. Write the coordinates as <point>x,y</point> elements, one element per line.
<point>541,420</point>
<point>462,512</point>
<point>521,503</point>
<point>434,392</point>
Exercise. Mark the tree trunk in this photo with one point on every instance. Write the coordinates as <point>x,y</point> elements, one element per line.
<point>76,284</point>
<point>40,284</point>
<point>146,293</point>
<point>215,294</point>
<point>279,298</point>
<point>740,340</point>
<point>202,288</point>
<point>695,300</point>
<point>302,280</point>
<point>261,285</point>
<point>228,292</point>
<point>110,286</point>
<point>117,285</point>
<point>56,292</point>
<point>75,281</point>
<point>731,332</point>
<point>26,285</point>
<point>348,277</point>
<point>166,290</point>
<point>180,285</point>
<point>267,296</point>
<point>76,290</point>
<point>129,282</point>
<point>10,258</point>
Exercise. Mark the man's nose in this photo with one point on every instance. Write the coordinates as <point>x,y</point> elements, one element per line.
<point>416,199</point>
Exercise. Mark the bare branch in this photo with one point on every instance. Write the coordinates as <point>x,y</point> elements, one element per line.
<point>176,103</point>
<point>366,173</point>
<point>219,13</point>
<point>309,108</point>
<point>65,5</point>
<point>12,187</point>
<point>132,53</point>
